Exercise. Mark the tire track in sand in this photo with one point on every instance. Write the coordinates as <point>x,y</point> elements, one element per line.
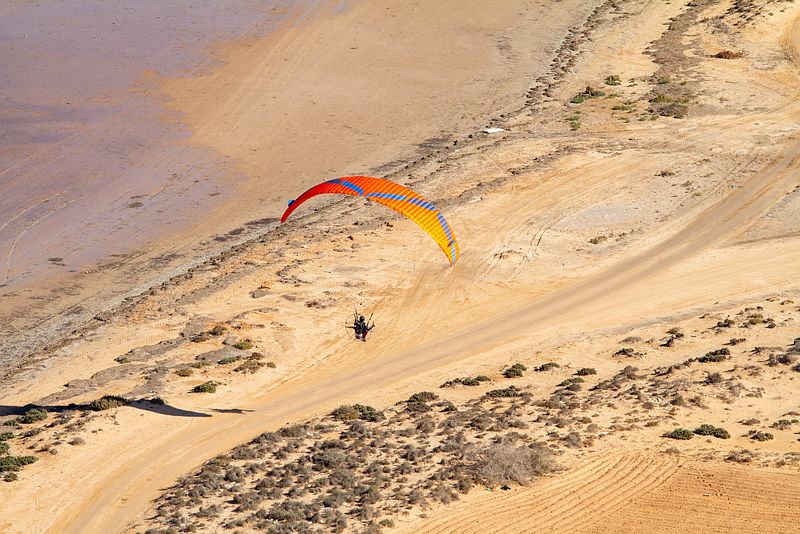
<point>566,503</point>
<point>713,498</point>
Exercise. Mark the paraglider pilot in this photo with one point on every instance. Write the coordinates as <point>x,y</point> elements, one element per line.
<point>362,328</point>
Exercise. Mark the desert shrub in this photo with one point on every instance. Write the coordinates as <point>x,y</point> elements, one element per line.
<point>742,456</point>
<point>596,240</point>
<point>426,425</point>
<point>501,464</point>
<point>714,356</point>
<point>547,366</point>
<point>423,396</point>
<point>614,79</point>
<point>713,378</point>
<point>625,351</point>
<point>571,380</point>
<point>679,433</point>
<point>184,371</point>
<point>249,366</point>
<point>589,92</point>
<point>34,415</point>
<point>293,431</point>
<point>443,493</point>
<point>474,381</point>
<point>218,330</point>
<point>514,371</point>
<point>586,371</point>
<point>510,391</point>
<point>5,436</point>
<point>754,319</point>
<point>711,430</point>
<point>4,448</point>
<point>201,337</point>
<point>728,54</point>
<point>32,432</point>
<point>205,387</point>
<point>287,511</point>
<point>736,340</point>
<point>10,477</point>
<point>244,344</point>
<point>727,323</point>
<point>675,331</point>
<point>418,407</point>
<point>757,435</point>
<point>466,381</point>
<point>106,402</point>
<point>796,368</point>
<point>573,440</point>
<point>352,412</point>
<point>781,359</point>
<point>783,424</point>
<point>15,463</point>
<point>228,359</point>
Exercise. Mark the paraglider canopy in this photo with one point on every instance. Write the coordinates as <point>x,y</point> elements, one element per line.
<point>392,195</point>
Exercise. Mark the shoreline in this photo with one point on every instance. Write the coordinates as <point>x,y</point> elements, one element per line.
<point>86,314</point>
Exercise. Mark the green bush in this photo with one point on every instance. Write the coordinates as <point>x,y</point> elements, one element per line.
<point>714,356</point>
<point>245,344</point>
<point>228,359</point>
<point>675,331</point>
<point>423,396</point>
<point>205,387</point>
<point>679,433</point>
<point>249,366</point>
<point>757,435</point>
<point>33,415</point>
<point>547,366</point>
<point>4,448</point>
<point>15,463</point>
<point>352,412</point>
<point>510,391</point>
<point>711,430</point>
<point>217,330</point>
<point>515,371</point>
<point>570,381</point>
<point>107,402</point>
<point>184,371</point>
<point>466,381</point>
<point>586,371</point>
<point>727,323</point>
<point>5,436</point>
<point>614,79</point>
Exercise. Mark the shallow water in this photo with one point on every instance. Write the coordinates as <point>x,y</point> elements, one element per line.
<point>91,165</point>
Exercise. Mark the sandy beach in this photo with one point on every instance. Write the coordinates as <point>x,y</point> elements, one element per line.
<point>629,239</point>
<point>152,161</point>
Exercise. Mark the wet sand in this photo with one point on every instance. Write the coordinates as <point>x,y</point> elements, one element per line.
<point>149,140</point>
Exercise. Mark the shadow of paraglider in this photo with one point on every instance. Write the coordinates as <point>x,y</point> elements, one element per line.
<point>149,405</point>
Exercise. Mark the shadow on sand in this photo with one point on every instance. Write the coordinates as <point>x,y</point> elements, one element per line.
<point>149,405</point>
